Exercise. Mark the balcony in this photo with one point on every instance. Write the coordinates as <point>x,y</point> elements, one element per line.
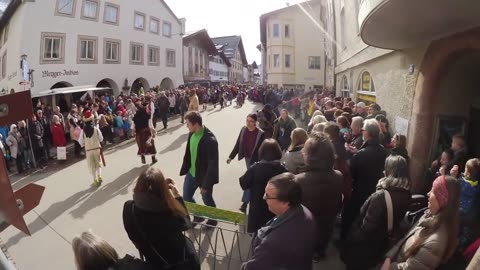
<point>401,24</point>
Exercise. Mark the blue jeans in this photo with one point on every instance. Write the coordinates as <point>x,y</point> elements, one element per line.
<point>246,193</point>
<point>190,185</point>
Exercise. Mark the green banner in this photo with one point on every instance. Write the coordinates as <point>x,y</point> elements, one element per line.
<point>216,213</point>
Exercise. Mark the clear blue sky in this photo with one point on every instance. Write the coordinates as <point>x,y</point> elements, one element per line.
<point>228,17</point>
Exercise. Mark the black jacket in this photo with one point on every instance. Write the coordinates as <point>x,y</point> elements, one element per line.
<point>367,167</point>
<point>238,149</point>
<point>162,228</point>
<point>130,263</point>
<point>207,167</point>
<point>256,179</point>
<point>367,241</point>
<point>163,105</point>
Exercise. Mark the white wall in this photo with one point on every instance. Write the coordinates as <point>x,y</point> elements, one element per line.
<point>38,17</point>
<point>219,68</point>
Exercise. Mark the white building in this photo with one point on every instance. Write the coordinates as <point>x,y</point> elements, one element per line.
<point>293,47</point>
<point>91,42</point>
<point>234,51</point>
<point>219,65</point>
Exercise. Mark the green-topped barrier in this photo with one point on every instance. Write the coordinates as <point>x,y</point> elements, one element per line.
<point>216,213</point>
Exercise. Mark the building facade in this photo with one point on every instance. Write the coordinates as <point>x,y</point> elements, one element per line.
<point>219,65</point>
<point>293,47</point>
<point>420,69</point>
<point>235,52</point>
<point>197,48</point>
<point>116,44</point>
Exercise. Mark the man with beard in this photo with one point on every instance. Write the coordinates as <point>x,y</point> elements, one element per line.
<point>144,133</point>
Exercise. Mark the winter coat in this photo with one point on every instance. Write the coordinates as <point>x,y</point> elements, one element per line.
<point>430,254</point>
<point>293,160</point>
<point>36,134</point>
<point>130,263</point>
<point>193,104</point>
<point>163,105</point>
<point>256,179</point>
<point>207,166</point>
<point>163,229</point>
<point>283,130</point>
<point>367,167</point>
<point>58,135</point>
<point>238,149</point>
<point>322,195</point>
<point>266,120</point>
<point>12,143</point>
<point>367,241</point>
<point>286,242</point>
<point>183,103</point>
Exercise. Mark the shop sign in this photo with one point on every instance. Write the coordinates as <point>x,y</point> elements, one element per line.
<point>55,74</point>
<point>368,98</point>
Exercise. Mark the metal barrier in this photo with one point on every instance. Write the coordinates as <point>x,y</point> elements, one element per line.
<point>226,245</point>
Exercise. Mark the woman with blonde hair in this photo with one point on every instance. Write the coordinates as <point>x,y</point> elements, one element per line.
<point>93,253</point>
<point>155,221</point>
<point>433,239</point>
<point>293,159</point>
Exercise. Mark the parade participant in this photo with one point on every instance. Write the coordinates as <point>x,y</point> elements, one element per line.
<point>163,105</point>
<point>200,163</point>
<point>144,133</point>
<point>247,146</point>
<point>91,138</point>
<point>193,104</point>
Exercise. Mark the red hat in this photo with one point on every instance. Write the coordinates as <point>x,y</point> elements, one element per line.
<point>87,116</point>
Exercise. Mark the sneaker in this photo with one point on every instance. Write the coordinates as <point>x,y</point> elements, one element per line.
<point>243,208</point>
<point>99,180</point>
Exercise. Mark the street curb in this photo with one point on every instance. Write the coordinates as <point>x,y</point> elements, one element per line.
<point>3,248</point>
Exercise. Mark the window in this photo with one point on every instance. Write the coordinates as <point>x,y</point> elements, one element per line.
<point>66,8</point>
<point>170,58</point>
<point>153,55</point>
<point>87,50</point>
<point>139,21</point>
<point>52,48</point>
<point>154,25</point>
<point>90,9</point>
<point>136,53</point>
<point>4,65</point>
<point>287,31</point>
<point>344,87</point>
<point>111,13</point>
<point>276,60</point>
<point>167,29</point>
<point>112,51</point>
<point>5,34</point>
<point>314,62</point>
<point>366,83</point>
<point>287,60</point>
<point>276,30</point>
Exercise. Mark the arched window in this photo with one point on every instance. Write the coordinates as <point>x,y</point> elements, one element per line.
<point>345,87</point>
<point>365,83</point>
<point>366,88</point>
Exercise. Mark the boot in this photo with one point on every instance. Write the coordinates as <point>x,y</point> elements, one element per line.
<point>143,159</point>
<point>154,159</point>
<point>243,208</point>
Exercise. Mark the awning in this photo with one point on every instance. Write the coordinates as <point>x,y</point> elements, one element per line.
<point>70,90</point>
<point>401,24</point>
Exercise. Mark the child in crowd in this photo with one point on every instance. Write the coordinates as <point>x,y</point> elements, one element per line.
<point>469,199</point>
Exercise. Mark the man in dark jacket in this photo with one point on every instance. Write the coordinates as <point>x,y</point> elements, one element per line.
<point>163,108</point>
<point>47,135</point>
<point>183,106</point>
<point>282,131</point>
<point>321,187</point>
<point>200,163</point>
<point>288,240</point>
<point>367,168</point>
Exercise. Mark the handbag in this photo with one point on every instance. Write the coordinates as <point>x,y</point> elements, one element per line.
<point>182,265</point>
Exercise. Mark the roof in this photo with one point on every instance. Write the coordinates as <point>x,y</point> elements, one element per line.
<point>171,12</point>
<point>231,44</point>
<point>201,39</point>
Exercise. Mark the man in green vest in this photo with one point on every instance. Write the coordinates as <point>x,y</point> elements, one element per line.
<point>200,163</point>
